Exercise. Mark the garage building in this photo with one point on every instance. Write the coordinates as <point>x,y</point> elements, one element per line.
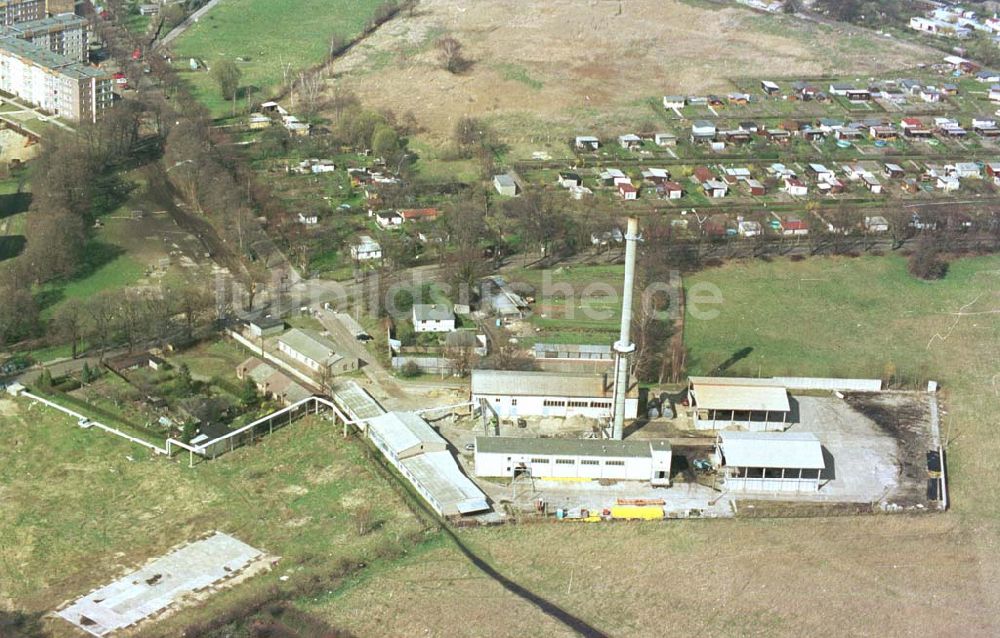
<point>513,393</point>
<point>593,459</point>
<point>786,462</point>
<point>759,405</point>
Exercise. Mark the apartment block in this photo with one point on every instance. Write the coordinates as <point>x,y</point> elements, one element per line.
<point>14,11</point>
<point>64,34</point>
<point>55,83</point>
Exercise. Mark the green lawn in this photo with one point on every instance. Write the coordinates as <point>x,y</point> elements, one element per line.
<point>80,507</point>
<point>118,271</point>
<point>832,317</point>
<point>269,36</point>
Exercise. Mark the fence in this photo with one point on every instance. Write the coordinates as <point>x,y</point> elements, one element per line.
<point>428,365</point>
<point>86,421</point>
<point>820,383</point>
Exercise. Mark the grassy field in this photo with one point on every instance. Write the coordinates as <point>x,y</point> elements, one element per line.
<point>835,317</point>
<point>269,37</point>
<point>81,507</point>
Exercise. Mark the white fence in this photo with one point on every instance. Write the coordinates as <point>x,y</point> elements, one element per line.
<point>820,383</point>
<point>86,421</point>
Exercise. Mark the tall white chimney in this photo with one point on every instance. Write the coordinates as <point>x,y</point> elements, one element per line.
<point>624,346</point>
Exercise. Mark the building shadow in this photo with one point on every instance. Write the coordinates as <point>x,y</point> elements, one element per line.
<point>829,472</point>
<point>794,413</point>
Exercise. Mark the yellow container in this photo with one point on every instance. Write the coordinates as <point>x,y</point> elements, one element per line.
<point>637,512</point>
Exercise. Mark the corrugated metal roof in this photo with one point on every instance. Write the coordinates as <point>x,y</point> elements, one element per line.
<point>311,344</point>
<point>402,431</point>
<point>569,447</point>
<point>356,401</point>
<point>772,449</point>
<point>439,474</point>
<point>720,393</point>
<point>542,384</point>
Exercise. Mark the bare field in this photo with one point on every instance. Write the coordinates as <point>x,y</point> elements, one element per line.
<point>886,576</point>
<point>594,64</point>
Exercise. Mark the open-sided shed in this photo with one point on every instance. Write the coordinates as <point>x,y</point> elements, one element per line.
<point>755,404</point>
<point>771,461</point>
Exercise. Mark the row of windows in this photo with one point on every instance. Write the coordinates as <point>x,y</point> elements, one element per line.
<point>555,403</point>
<point>573,461</point>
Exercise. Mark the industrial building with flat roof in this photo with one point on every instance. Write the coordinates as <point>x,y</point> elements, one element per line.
<point>595,459</point>
<point>755,404</point>
<point>512,393</point>
<point>43,62</point>
<point>771,461</point>
<point>421,456</point>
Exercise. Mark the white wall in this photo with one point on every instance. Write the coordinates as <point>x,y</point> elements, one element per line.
<point>597,407</point>
<point>493,464</point>
<point>434,325</point>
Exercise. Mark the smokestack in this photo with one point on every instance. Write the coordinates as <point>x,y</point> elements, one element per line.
<point>624,346</point>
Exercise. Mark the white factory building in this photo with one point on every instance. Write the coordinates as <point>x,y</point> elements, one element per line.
<point>770,462</point>
<point>419,453</point>
<point>513,393</point>
<point>595,459</point>
<point>758,405</point>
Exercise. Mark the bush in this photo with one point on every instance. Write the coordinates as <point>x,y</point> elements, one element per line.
<point>926,262</point>
<point>409,370</point>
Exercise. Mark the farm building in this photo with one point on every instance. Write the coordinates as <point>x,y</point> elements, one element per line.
<point>594,459</point>
<point>587,143</point>
<point>513,393</point>
<point>403,434</point>
<point>315,352</point>
<point>266,326</point>
<point>422,457</point>
<point>755,404</point>
<point>786,462</point>
<point>432,318</point>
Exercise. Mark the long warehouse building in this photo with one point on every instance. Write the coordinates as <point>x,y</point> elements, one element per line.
<point>422,457</point>
<point>513,393</point>
<point>595,459</point>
